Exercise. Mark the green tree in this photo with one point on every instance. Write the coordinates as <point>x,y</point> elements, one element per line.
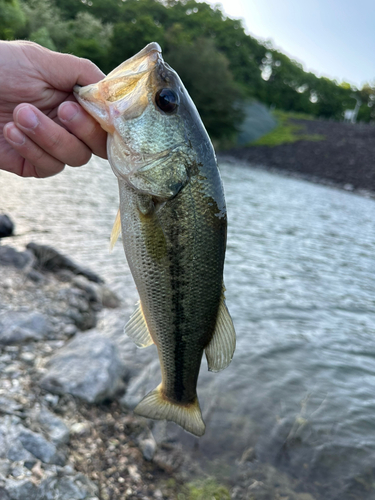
<point>206,75</point>
<point>130,37</point>
<point>12,19</point>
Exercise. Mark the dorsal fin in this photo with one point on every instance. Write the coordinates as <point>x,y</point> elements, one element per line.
<point>219,352</point>
<point>116,231</point>
<point>136,328</point>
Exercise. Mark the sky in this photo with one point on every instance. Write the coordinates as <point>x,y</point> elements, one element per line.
<point>333,38</point>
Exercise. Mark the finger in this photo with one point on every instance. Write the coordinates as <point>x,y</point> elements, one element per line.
<point>37,163</point>
<point>83,126</point>
<point>50,136</point>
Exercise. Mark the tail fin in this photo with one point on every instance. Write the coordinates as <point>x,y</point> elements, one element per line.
<point>156,406</point>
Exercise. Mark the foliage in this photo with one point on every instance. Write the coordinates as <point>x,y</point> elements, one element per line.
<point>201,67</point>
<point>287,131</point>
<point>218,61</point>
<point>207,489</point>
<point>11,20</point>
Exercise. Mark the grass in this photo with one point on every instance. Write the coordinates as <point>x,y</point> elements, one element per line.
<point>201,489</point>
<point>287,131</point>
<point>208,490</point>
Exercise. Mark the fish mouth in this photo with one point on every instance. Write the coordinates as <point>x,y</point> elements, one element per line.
<point>124,90</point>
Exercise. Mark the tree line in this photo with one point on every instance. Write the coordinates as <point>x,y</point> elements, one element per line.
<point>221,65</point>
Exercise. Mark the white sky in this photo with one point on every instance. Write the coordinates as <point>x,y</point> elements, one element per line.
<point>334,38</point>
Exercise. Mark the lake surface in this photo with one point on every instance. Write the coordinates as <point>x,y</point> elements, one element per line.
<point>301,290</point>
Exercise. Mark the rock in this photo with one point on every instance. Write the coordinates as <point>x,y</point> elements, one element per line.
<point>11,257</point>
<point>3,494</point>
<point>35,276</point>
<point>49,259</point>
<point>108,298</point>
<point>17,327</point>
<point>77,487</point>
<point>88,367</point>
<point>6,226</point>
<point>80,428</point>
<point>69,487</point>
<point>16,452</point>
<point>140,385</point>
<point>11,447</point>
<point>4,467</point>
<point>20,489</point>
<point>53,426</point>
<point>86,286</point>
<point>148,448</point>
<point>38,446</point>
<point>28,358</point>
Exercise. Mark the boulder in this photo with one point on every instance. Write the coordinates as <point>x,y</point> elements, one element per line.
<point>40,447</point>
<point>9,256</point>
<point>17,327</point>
<point>6,226</point>
<point>88,367</point>
<point>49,259</point>
<point>53,426</point>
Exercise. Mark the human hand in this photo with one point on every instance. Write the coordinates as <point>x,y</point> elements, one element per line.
<point>42,127</point>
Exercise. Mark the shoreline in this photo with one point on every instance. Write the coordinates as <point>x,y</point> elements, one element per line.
<point>345,159</point>
<point>63,378</point>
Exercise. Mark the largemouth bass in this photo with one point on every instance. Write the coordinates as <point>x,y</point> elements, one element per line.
<point>174,224</point>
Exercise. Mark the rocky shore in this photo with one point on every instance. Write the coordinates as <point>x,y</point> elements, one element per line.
<point>344,158</point>
<point>67,431</point>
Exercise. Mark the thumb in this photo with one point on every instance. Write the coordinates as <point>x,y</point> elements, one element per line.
<point>63,71</point>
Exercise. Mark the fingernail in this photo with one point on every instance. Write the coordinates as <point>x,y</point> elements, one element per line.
<point>15,135</point>
<point>67,111</point>
<point>27,118</point>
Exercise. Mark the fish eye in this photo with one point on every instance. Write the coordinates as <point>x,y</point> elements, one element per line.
<point>167,100</point>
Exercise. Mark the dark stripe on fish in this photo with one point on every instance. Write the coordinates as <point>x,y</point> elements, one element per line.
<point>177,276</point>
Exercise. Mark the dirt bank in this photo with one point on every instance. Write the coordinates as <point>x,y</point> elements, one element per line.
<point>346,157</point>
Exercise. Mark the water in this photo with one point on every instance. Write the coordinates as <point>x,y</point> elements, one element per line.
<point>301,290</point>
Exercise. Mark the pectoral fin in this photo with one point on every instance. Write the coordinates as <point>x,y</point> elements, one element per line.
<point>219,352</point>
<point>116,231</point>
<point>136,328</point>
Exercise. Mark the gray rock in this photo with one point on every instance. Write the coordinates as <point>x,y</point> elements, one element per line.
<point>18,470</point>
<point>88,367</point>
<point>3,494</point>
<point>50,259</point>
<point>80,428</point>
<point>10,446</point>
<point>6,226</point>
<point>20,489</point>
<point>77,487</point>
<point>17,327</point>
<point>108,298</point>
<point>38,446</point>
<point>11,257</point>
<point>16,452</point>
<point>4,467</point>
<point>148,448</point>
<point>53,426</point>
<point>140,385</point>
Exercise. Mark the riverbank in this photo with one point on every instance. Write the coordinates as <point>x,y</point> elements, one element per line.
<point>64,427</point>
<point>344,158</point>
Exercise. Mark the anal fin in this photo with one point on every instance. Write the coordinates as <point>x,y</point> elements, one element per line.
<point>136,328</point>
<point>116,231</point>
<point>219,352</point>
<point>155,405</point>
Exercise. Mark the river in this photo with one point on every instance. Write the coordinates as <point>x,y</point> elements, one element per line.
<point>301,290</point>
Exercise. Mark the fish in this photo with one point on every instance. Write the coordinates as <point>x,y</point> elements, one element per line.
<point>174,226</point>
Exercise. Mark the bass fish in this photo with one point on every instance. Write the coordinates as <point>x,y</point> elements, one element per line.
<point>174,225</point>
